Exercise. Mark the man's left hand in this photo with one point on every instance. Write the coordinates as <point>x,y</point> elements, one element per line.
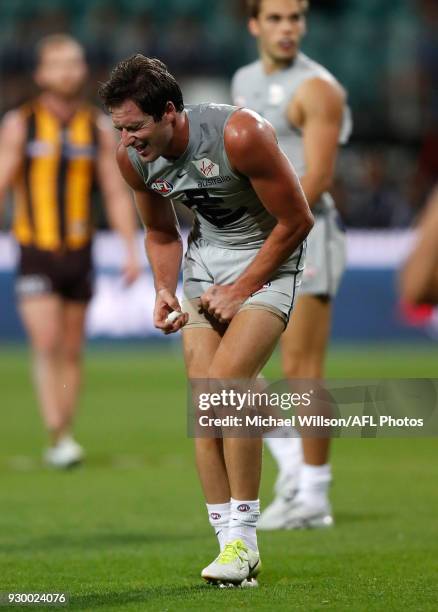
<point>222,301</point>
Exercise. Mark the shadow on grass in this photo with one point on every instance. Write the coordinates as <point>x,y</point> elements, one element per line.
<point>98,540</point>
<point>168,595</point>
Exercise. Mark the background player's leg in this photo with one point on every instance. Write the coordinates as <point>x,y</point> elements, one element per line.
<point>304,343</point>
<point>42,319</point>
<point>73,325</point>
<point>303,350</point>
<point>303,347</point>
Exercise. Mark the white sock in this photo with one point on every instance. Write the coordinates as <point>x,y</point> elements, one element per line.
<point>286,448</point>
<point>314,483</point>
<point>219,517</point>
<point>243,521</point>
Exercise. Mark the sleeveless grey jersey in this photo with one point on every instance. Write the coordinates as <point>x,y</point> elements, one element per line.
<point>227,211</point>
<point>270,95</point>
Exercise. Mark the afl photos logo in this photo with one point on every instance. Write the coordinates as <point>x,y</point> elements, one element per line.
<point>162,187</point>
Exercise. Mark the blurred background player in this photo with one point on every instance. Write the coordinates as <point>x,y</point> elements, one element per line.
<point>307,108</point>
<point>419,277</point>
<point>51,151</point>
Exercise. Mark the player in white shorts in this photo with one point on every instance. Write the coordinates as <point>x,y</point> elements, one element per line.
<point>205,265</point>
<point>308,110</point>
<point>240,270</point>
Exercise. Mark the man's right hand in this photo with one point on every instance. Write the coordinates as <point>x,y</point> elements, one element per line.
<point>165,303</point>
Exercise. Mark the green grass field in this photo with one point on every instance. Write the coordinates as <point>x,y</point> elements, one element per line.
<point>129,531</point>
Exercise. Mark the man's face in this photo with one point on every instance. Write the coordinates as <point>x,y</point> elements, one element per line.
<point>62,69</point>
<point>279,28</point>
<point>149,138</point>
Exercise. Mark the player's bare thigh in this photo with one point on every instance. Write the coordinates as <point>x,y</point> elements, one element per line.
<point>304,342</point>
<point>42,319</point>
<point>242,351</point>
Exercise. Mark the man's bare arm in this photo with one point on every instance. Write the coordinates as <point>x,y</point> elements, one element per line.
<point>419,276</point>
<point>252,148</point>
<point>163,243</point>
<point>117,199</point>
<point>12,140</point>
<point>317,110</point>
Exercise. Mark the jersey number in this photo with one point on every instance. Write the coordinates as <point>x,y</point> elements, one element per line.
<point>207,206</point>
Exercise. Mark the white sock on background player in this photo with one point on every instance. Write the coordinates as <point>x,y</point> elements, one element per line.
<point>287,451</point>
<point>314,483</point>
<point>243,521</point>
<point>219,517</point>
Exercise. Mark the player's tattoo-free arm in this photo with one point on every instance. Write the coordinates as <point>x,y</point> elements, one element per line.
<point>252,149</point>
<point>12,140</point>
<point>118,202</point>
<point>163,243</point>
<point>419,275</point>
<point>317,109</point>
<point>162,239</point>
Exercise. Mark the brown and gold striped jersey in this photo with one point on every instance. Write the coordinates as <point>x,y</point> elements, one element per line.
<point>53,189</point>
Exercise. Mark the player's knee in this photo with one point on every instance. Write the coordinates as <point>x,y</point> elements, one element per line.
<point>219,371</point>
<point>46,345</point>
<point>72,353</point>
<point>227,371</point>
<point>302,365</point>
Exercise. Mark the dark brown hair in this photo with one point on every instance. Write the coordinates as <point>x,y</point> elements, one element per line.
<point>253,6</point>
<point>144,80</point>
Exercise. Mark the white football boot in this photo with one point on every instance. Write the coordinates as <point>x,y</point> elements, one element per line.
<point>274,516</point>
<point>65,454</point>
<point>236,566</point>
<point>305,515</point>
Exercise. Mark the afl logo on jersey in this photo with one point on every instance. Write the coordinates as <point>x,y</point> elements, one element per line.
<point>162,187</point>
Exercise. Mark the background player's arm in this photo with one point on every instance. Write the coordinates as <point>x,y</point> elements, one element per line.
<point>12,140</point>
<point>162,242</point>
<point>419,276</point>
<point>117,199</point>
<point>317,109</point>
<point>253,151</point>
